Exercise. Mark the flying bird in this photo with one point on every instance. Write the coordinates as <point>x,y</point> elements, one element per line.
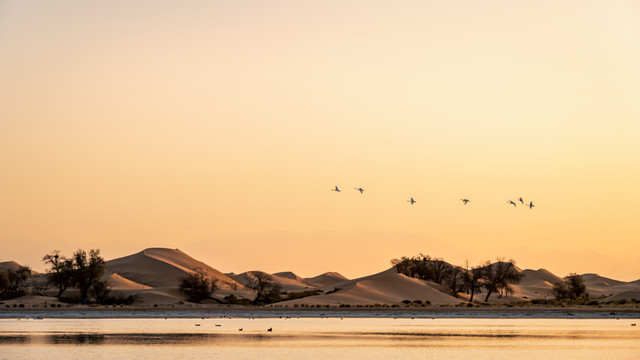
<point>336,189</point>
<point>530,204</point>
<point>520,199</point>
<point>411,201</point>
<point>360,189</point>
<point>512,203</point>
<point>465,201</point>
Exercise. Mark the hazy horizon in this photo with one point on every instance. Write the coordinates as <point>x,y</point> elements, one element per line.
<point>219,128</point>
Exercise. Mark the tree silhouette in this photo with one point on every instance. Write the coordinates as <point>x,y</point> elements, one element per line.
<point>60,273</point>
<point>499,276</point>
<point>267,290</point>
<point>573,287</point>
<point>13,282</point>
<point>198,286</point>
<point>87,271</point>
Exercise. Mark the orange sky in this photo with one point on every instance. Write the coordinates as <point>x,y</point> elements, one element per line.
<point>219,128</point>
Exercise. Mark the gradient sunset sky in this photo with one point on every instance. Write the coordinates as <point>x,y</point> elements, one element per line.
<point>219,128</point>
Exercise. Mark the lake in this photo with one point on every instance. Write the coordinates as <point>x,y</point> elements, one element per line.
<point>318,337</point>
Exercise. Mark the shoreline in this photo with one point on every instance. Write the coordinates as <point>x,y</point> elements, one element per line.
<point>532,312</point>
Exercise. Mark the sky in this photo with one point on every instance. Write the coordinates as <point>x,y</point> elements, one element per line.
<point>220,127</point>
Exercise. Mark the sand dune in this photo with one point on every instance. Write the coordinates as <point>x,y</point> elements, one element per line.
<point>159,267</point>
<point>627,295</point>
<point>535,284</point>
<point>12,265</point>
<point>288,275</point>
<point>327,279</point>
<point>387,287</point>
<point>117,282</point>
<point>9,265</point>
<point>595,280</point>
<point>287,283</point>
<point>153,275</point>
<point>537,276</point>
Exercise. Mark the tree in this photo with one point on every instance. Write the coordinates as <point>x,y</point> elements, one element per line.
<point>499,276</point>
<point>60,274</point>
<point>455,279</point>
<point>423,267</point>
<point>4,281</point>
<point>267,290</point>
<point>440,269</point>
<point>198,286</point>
<point>13,282</point>
<point>473,279</point>
<point>87,271</point>
<point>573,287</point>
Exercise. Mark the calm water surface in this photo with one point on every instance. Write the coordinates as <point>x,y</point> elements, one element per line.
<point>319,338</point>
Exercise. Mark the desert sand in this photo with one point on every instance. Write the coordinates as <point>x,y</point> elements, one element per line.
<point>152,275</point>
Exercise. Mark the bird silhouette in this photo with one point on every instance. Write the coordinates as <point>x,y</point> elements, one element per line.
<point>360,189</point>
<point>411,201</point>
<point>270,329</point>
<point>512,203</point>
<point>336,189</point>
<point>531,205</point>
<point>465,201</point>
<point>520,199</point>
<point>240,329</point>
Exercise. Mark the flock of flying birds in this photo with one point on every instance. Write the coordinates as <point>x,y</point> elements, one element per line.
<point>464,201</point>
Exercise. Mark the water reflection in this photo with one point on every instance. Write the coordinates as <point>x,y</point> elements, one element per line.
<point>130,339</point>
<point>208,338</point>
<point>318,338</point>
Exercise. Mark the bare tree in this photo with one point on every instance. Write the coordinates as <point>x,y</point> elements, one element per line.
<point>499,276</point>
<point>198,285</point>
<point>439,269</point>
<point>267,290</point>
<point>473,279</point>
<point>60,273</point>
<point>455,279</point>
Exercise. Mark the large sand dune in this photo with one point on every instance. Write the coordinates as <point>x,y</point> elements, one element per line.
<point>160,267</point>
